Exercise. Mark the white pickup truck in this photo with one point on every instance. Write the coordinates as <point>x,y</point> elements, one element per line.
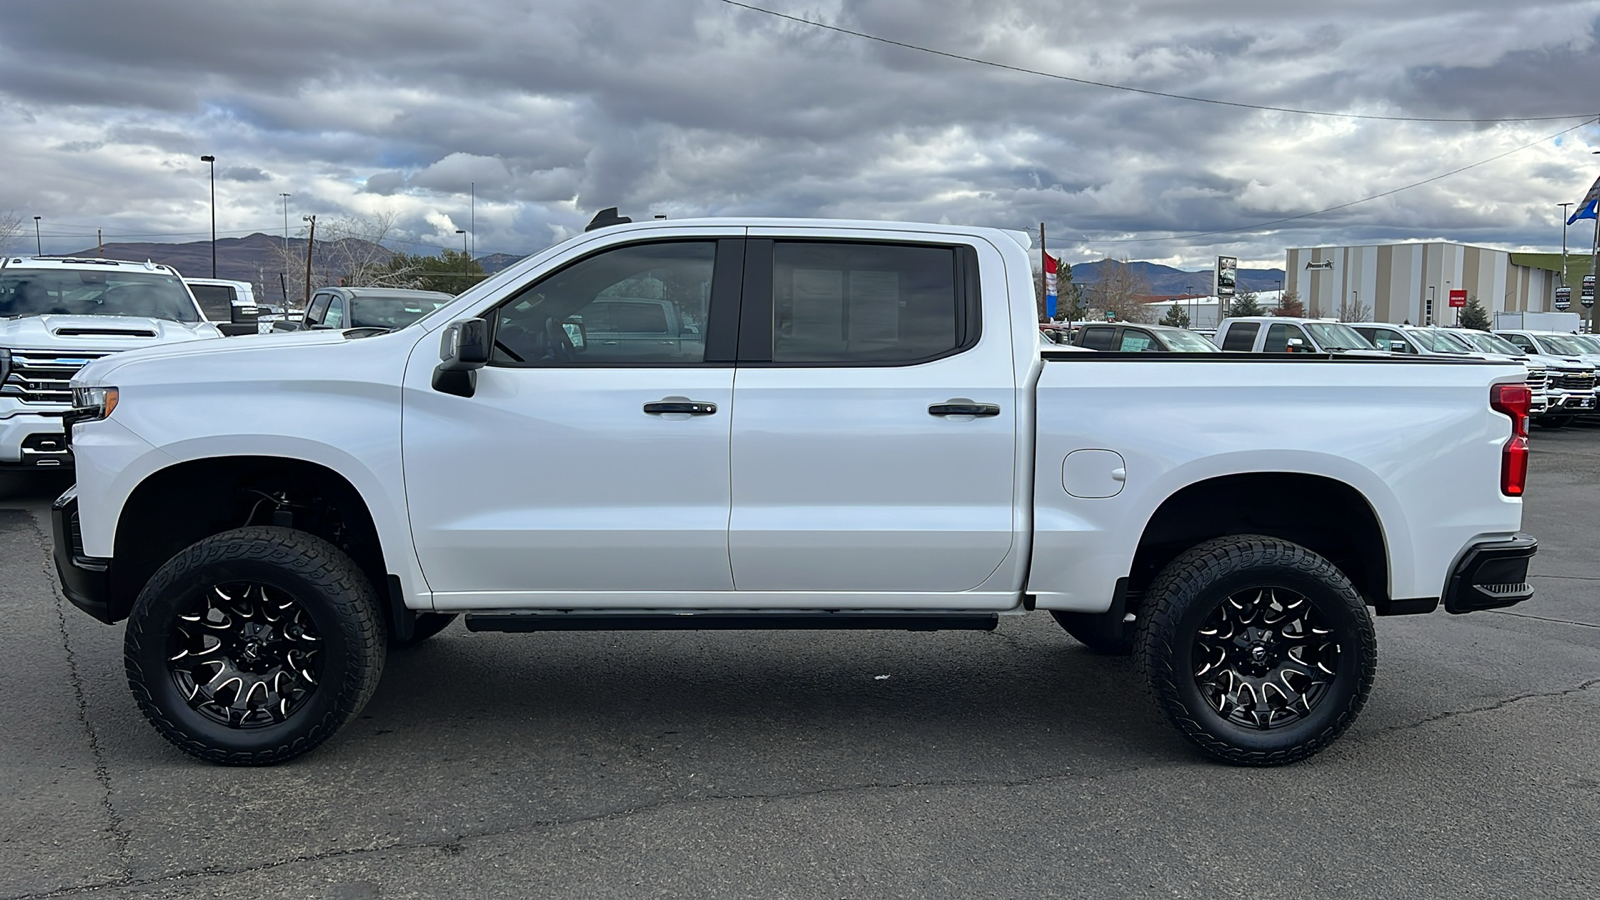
<point>59,313</point>
<point>862,431</point>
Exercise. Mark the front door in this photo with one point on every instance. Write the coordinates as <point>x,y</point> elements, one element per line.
<point>874,427</point>
<point>583,470</point>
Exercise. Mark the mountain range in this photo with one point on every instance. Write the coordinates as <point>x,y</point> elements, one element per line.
<point>258,259</point>
<point>1166,281</point>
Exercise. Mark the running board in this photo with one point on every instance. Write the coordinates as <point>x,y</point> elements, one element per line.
<point>752,621</point>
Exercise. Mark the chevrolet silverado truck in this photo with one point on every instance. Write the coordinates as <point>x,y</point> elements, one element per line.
<point>862,431</point>
<point>56,315</point>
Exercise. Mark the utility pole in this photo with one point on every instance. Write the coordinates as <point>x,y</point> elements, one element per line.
<point>311,242</point>
<point>38,242</point>
<point>472,215</point>
<point>285,223</point>
<point>1040,308</point>
<point>100,242</point>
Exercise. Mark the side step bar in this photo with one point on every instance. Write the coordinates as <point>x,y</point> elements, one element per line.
<point>628,620</point>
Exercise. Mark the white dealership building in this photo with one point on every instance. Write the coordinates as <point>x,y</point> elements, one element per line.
<point>1412,282</point>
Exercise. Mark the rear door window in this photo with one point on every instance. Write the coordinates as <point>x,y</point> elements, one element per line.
<point>1241,337</point>
<point>1098,337</point>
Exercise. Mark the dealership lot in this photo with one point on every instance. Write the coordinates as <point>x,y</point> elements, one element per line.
<point>787,764</point>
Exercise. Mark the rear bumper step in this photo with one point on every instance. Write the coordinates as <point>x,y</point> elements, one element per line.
<point>1491,575</point>
<point>628,620</point>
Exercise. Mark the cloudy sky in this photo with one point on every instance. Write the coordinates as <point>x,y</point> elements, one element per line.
<point>550,110</point>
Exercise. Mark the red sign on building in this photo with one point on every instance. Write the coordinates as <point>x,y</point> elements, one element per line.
<point>1458,298</point>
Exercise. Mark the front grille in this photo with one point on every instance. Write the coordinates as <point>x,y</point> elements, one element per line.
<point>1573,381</point>
<point>45,376</point>
<point>1536,379</point>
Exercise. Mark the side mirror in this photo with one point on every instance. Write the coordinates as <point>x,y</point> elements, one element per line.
<point>1398,347</point>
<point>463,350</point>
<point>1296,345</point>
<point>576,334</point>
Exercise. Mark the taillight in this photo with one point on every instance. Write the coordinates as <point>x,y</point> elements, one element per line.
<point>1514,400</point>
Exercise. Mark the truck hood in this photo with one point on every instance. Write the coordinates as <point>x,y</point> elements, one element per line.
<point>107,333</point>
<point>257,348</point>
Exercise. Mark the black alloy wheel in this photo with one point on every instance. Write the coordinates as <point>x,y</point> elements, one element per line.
<point>254,646</point>
<point>1259,651</point>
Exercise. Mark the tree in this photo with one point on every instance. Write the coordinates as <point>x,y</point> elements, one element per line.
<point>1177,317</point>
<point>1122,292</point>
<point>1246,303</point>
<point>10,229</point>
<point>348,252</point>
<point>1473,315</point>
<point>1353,310</point>
<point>1290,304</point>
<point>451,272</point>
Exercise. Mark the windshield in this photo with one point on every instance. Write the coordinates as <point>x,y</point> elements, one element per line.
<point>389,312</point>
<point>1493,343</point>
<point>1437,342</point>
<point>43,292</point>
<point>1589,342</point>
<point>1189,342</point>
<point>1334,337</point>
<point>1558,345</point>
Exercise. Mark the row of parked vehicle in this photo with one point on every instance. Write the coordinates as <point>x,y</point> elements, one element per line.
<point>57,314</point>
<point>1561,367</point>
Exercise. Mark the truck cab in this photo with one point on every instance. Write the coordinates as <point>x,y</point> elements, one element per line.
<point>1287,334</point>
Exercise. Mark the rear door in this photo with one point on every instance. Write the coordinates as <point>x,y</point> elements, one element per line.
<point>873,439</point>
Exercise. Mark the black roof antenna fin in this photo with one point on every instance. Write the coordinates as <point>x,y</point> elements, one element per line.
<point>606,218</point>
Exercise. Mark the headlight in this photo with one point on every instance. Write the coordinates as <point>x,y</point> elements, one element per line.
<point>90,404</point>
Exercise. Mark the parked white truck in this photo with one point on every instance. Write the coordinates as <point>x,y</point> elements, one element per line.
<point>861,432</point>
<point>57,314</point>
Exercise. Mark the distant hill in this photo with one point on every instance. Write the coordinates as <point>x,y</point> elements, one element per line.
<point>495,262</point>
<point>1166,281</point>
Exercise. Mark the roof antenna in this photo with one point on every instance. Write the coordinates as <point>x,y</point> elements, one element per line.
<point>606,218</point>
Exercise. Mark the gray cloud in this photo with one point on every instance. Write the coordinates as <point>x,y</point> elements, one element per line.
<point>547,111</point>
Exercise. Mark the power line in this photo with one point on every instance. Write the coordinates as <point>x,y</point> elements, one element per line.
<point>1378,196</point>
<point>1136,90</point>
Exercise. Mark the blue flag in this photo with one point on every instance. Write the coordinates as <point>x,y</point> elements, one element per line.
<point>1586,209</point>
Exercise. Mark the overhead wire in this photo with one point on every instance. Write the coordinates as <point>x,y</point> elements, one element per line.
<point>1138,90</point>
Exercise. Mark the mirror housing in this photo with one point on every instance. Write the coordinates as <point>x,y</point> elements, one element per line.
<point>1398,347</point>
<point>463,350</point>
<point>576,334</point>
<point>1295,345</point>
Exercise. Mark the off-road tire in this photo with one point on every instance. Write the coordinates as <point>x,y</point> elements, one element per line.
<point>1097,631</point>
<point>426,626</point>
<point>1189,593</point>
<point>334,600</point>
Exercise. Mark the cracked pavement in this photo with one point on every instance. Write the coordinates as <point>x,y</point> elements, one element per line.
<point>730,764</point>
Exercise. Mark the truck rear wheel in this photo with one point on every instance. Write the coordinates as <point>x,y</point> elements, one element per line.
<point>253,646</point>
<point>1259,651</point>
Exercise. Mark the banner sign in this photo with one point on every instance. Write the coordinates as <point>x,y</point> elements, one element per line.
<point>1458,297</point>
<point>1588,291</point>
<point>1563,298</point>
<point>1227,276</point>
<point>1050,269</point>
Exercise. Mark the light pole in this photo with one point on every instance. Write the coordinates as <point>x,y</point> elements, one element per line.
<point>463,233</point>
<point>1564,208</point>
<point>1188,290</point>
<point>285,222</point>
<point>38,242</point>
<point>213,162</point>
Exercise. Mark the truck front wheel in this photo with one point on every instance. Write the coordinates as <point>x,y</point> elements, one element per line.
<point>1259,651</point>
<point>253,646</point>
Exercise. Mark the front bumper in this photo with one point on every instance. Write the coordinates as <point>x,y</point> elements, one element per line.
<point>1491,575</point>
<point>34,440</point>
<point>85,580</point>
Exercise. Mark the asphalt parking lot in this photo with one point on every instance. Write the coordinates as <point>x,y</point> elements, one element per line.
<point>1011,764</point>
